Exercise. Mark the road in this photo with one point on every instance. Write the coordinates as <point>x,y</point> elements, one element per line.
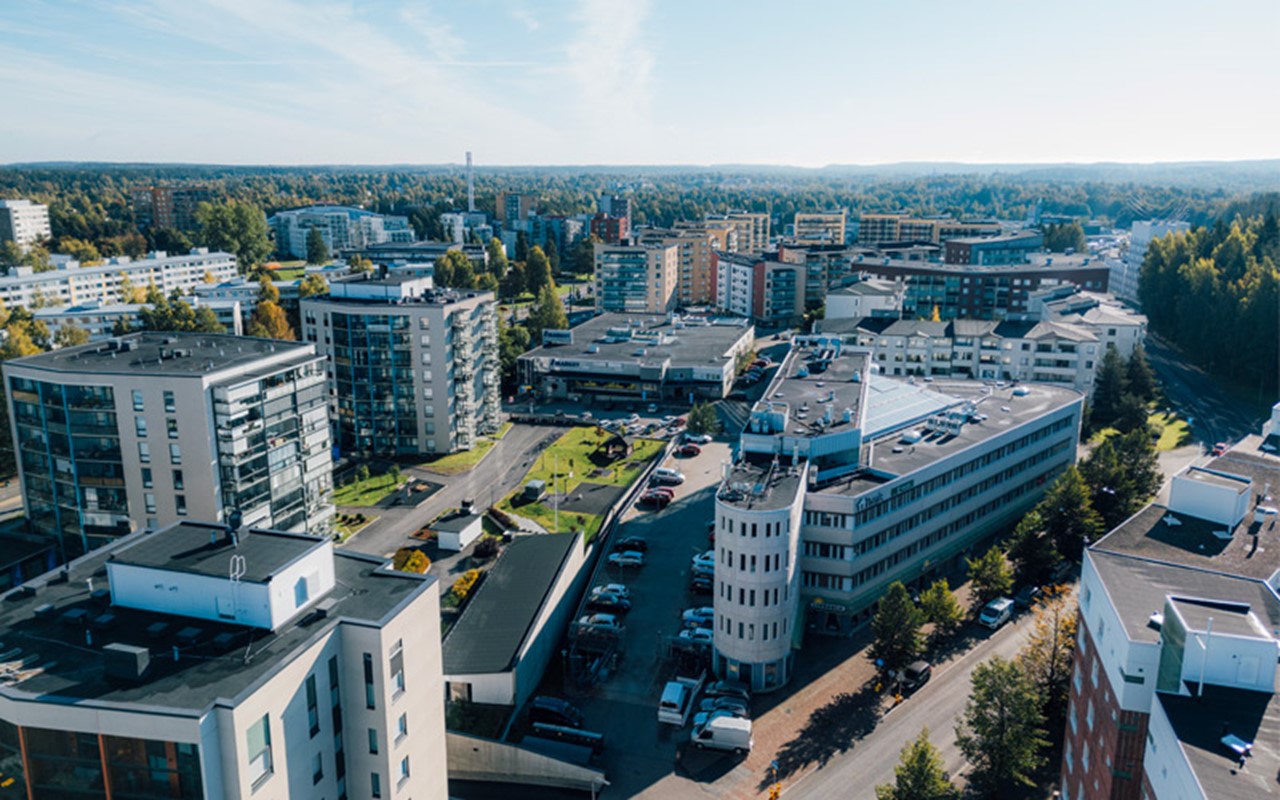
<point>1216,415</point>
<point>938,705</point>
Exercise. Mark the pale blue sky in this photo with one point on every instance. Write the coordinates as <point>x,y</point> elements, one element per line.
<point>617,82</point>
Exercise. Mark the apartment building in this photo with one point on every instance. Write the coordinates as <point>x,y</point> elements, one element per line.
<point>71,284</point>
<point>168,206</point>
<point>201,662</point>
<point>764,289</point>
<point>695,278</point>
<point>412,370</point>
<point>246,292</point>
<point>1173,689</point>
<point>615,205</point>
<point>751,229</point>
<point>869,297</point>
<point>514,208</point>
<point>1126,271</point>
<point>148,429</point>
<point>24,222</point>
<point>877,229</point>
<point>993,251</point>
<point>638,357</point>
<point>610,229</point>
<point>847,480</point>
<point>636,278</point>
<point>343,229</point>
<point>103,322</point>
<point>820,226</point>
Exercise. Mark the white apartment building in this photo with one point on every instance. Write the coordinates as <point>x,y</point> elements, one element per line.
<point>101,321</point>
<point>71,284</point>
<point>636,279</point>
<point>1126,271</point>
<point>246,292</point>
<point>200,662</point>
<point>848,480</point>
<point>24,222</point>
<point>152,428</point>
<point>412,370</point>
<point>342,227</point>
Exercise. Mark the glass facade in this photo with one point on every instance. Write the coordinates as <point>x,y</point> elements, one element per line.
<point>69,448</point>
<point>65,765</point>
<point>373,382</point>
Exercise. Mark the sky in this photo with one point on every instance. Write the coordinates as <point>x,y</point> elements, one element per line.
<point>804,83</point>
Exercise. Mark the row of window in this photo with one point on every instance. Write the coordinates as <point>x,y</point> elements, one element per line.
<point>769,529</point>
<point>747,563</point>
<point>144,453</point>
<point>139,404</point>
<point>747,597</point>
<point>747,630</point>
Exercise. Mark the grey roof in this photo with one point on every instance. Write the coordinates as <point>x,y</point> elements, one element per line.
<point>206,549</point>
<point>1200,723</point>
<point>687,345</point>
<point>455,523</point>
<point>500,615</point>
<point>61,666</point>
<point>759,487</point>
<point>842,384</point>
<point>167,353</point>
<point>951,329</point>
<point>870,286</point>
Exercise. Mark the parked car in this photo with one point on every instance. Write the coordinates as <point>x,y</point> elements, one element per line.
<point>635,543</point>
<point>632,419</point>
<point>701,584</point>
<point>1026,596</point>
<point>723,732</point>
<point>653,408</point>
<point>689,450</point>
<point>729,689</point>
<point>668,421</point>
<point>733,705</point>
<point>1221,448</point>
<point>601,622</point>
<point>667,490</point>
<point>654,500</point>
<point>700,617</point>
<point>996,613</point>
<point>703,570</point>
<point>611,603</point>
<point>628,558</point>
<point>612,588</point>
<point>697,438</point>
<point>667,475</point>
<point>707,559</point>
<point>698,635</point>
<point>554,711</point>
<point>916,674</point>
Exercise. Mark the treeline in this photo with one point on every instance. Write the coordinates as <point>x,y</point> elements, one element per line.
<point>1213,292</point>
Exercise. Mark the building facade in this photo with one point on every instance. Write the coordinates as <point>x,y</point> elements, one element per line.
<point>877,229</point>
<point>24,222</point>
<point>151,428</point>
<point>1126,271</point>
<point>610,229</point>
<point>168,206</point>
<point>993,251</point>
<point>104,322</point>
<point>343,229</point>
<point>871,297</point>
<point>696,276</point>
<point>820,226</point>
<point>639,279</point>
<point>412,370</point>
<point>110,282</point>
<point>210,664</point>
<point>514,208</point>
<point>767,290</point>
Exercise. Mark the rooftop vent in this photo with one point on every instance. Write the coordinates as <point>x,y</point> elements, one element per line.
<point>125,663</point>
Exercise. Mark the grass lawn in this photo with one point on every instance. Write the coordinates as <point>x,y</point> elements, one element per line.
<point>461,461</point>
<point>1175,432</point>
<point>348,529</point>
<point>504,430</point>
<point>367,492</point>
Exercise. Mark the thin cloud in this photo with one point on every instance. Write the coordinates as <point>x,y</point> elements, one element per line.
<point>612,64</point>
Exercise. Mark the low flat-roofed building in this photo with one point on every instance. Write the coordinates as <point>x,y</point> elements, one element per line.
<point>630,357</point>
<point>103,321</point>
<point>201,662</point>
<point>70,283</point>
<point>873,297</point>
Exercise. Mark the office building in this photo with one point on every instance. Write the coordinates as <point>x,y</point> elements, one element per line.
<point>878,229</point>
<point>1126,271</point>
<point>200,662</point>
<point>71,284</point>
<point>847,481</point>
<point>24,222</point>
<point>412,370</point>
<point>103,322</point>
<point>150,428</point>
<point>610,229</point>
<point>636,279</point>
<point>1173,689</point>
<point>636,357</point>
<point>168,206</point>
<point>820,226</point>
<point>343,228</point>
<point>763,288</point>
<point>994,251</point>
<point>515,208</point>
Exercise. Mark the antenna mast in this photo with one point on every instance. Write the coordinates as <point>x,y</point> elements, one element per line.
<point>471,185</point>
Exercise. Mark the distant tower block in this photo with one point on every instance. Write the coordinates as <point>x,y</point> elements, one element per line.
<point>471,185</point>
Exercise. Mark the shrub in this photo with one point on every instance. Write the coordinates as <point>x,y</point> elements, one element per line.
<point>408,559</point>
<point>487,547</point>
<point>465,583</point>
<point>362,472</point>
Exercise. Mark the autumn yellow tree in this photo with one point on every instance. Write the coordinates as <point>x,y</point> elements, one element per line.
<point>269,322</point>
<point>1047,657</point>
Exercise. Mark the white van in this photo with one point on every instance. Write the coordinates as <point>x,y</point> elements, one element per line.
<point>996,613</point>
<point>668,475</point>
<point>724,732</point>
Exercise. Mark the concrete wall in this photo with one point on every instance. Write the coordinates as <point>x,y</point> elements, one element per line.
<point>551,623</point>
<point>472,758</point>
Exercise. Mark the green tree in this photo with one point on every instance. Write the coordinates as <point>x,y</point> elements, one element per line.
<point>1046,658</point>
<point>537,271</point>
<point>1070,519</point>
<point>170,240</point>
<point>268,321</point>
<point>1108,389</point>
<point>11,254</point>
<point>1122,473</point>
<point>553,255</point>
<point>454,270</point>
<point>1131,415</point>
<point>267,291</point>
<point>236,227</point>
<point>80,250</point>
<point>312,285</point>
<point>1000,730</point>
<point>176,315</point>
<point>941,608</point>
<point>522,246</point>
<point>584,255</point>
<point>990,576</point>
<point>70,335</point>
<point>1068,236</point>
<point>512,285</point>
<point>896,627</point>
<point>359,263</point>
<point>1031,551</point>
<point>919,775</point>
<point>513,341</point>
<point>547,313</point>
<point>1140,378</point>
<point>703,420</point>
<point>317,250</point>
<point>497,265</point>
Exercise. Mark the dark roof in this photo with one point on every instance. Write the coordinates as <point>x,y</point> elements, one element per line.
<point>223,662</point>
<point>455,523</point>
<point>759,488</point>
<point>1200,723</point>
<point>488,636</point>
<point>166,353</point>
<point>205,549</point>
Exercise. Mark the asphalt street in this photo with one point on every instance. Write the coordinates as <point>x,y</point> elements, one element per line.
<point>1215,415</point>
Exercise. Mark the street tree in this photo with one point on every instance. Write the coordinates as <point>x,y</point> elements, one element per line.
<point>537,271</point>
<point>990,576</point>
<point>1109,388</point>
<point>1122,474</point>
<point>896,627</point>
<point>497,258</point>
<point>703,420</point>
<point>268,321</point>
<point>1070,519</point>
<point>547,313</point>
<point>1046,658</point>
<point>1000,731</point>
<point>317,250</point>
<point>1031,550</point>
<point>237,227</point>
<point>941,608</point>
<point>513,341</point>
<point>1138,374</point>
<point>512,285</point>
<point>919,775</point>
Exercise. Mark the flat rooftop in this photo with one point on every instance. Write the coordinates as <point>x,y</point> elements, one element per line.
<point>808,382</point>
<point>202,549</point>
<point>47,655</point>
<point>760,487</point>
<point>1200,723</point>
<point>614,337</point>
<point>1251,552</point>
<point>493,627</point>
<point>166,353</point>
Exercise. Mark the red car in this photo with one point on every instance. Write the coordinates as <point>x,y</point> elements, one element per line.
<point>654,500</point>
<point>1221,448</point>
<point>690,450</point>
<point>662,490</point>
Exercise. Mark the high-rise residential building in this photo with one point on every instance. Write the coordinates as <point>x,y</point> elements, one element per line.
<point>412,370</point>
<point>833,495</point>
<point>152,428</point>
<point>202,662</point>
<point>877,229</point>
<point>639,278</point>
<point>695,283</point>
<point>752,229</point>
<point>1125,272</point>
<point>1173,686</point>
<point>767,290</point>
<point>24,222</point>
<point>615,205</point>
<point>610,229</point>
<point>821,226</point>
<point>168,206</point>
<point>994,251</point>
<point>515,208</point>
<point>71,284</point>
<point>343,229</point>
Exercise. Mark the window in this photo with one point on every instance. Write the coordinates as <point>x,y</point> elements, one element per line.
<point>172,425</point>
<point>317,769</point>
<point>258,741</point>
<point>404,769</point>
<point>178,482</point>
<point>147,482</point>
<point>175,454</point>
<point>313,710</point>
<point>375,784</point>
<point>373,741</point>
<point>1088,716</point>
<point>402,727</point>
<point>368,680</point>
<point>397,670</point>
<point>150,500</point>
<point>140,426</point>
<point>169,404</point>
<point>144,452</point>
<point>137,400</point>
<point>180,501</point>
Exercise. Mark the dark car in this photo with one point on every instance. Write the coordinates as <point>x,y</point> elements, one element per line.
<point>916,675</point>
<point>606,601</point>
<point>635,543</point>
<point>654,500</point>
<point>729,689</point>
<point>701,584</point>
<point>1026,596</point>
<point>554,711</point>
<point>689,450</point>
